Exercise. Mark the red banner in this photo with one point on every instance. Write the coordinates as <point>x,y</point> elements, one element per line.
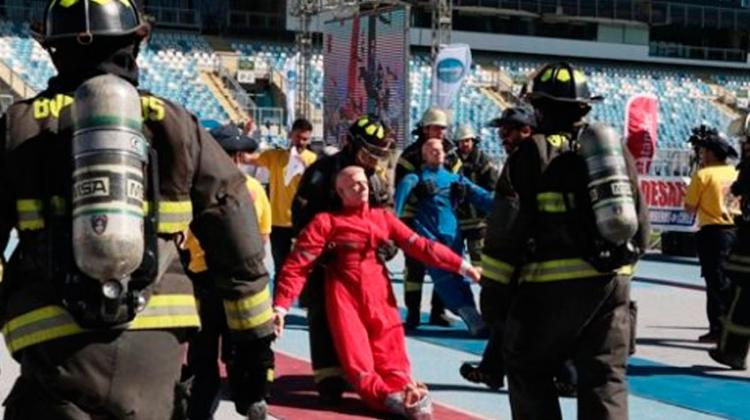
<point>641,129</point>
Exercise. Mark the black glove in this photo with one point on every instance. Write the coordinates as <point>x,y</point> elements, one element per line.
<point>459,193</point>
<point>387,251</point>
<point>425,189</point>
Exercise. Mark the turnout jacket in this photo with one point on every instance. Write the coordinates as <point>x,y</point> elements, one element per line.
<point>199,187</point>
<point>479,170</point>
<point>541,226</point>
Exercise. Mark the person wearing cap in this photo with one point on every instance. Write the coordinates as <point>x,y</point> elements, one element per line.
<point>249,390</point>
<point>434,124</point>
<point>709,196</point>
<point>369,145</point>
<point>515,124</point>
<point>285,168</point>
<point>436,190</point>
<point>564,304</point>
<point>477,167</point>
<point>83,353</point>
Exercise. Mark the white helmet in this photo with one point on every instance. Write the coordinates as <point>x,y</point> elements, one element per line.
<point>463,132</point>
<point>435,116</point>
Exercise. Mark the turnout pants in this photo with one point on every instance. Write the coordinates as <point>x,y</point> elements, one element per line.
<point>713,243</point>
<point>111,375</point>
<point>494,300</point>
<point>413,281</point>
<point>735,337</point>
<point>203,355</point>
<point>324,359</point>
<point>587,320</point>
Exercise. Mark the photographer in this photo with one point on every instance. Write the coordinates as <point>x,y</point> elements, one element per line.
<point>709,196</point>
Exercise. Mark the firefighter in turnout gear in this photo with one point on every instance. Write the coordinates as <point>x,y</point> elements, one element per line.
<point>434,124</point>
<point>569,237</point>
<point>250,389</point>
<point>369,146</point>
<point>112,349</point>
<point>476,167</point>
<point>734,341</point>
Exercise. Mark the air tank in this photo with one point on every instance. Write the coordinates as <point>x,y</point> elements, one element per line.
<point>110,154</point>
<point>609,186</point>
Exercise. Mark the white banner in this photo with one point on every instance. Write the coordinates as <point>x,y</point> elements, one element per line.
<point>449,71</point>
<point>290,75</point>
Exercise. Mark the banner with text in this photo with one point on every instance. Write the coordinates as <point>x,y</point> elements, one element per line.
<point>449,71</point>
<point>665,198</point>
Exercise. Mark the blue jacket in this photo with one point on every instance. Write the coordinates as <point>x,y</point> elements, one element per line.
<point>436,211</point>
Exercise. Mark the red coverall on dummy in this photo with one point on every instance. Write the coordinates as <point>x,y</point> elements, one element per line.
<point>362,312</point>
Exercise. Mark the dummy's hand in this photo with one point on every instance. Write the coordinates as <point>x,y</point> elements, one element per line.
<point>474,273</point>
<point>386,251</point>
<point>278,324</point>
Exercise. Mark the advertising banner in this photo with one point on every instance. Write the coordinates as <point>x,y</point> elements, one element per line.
<point>665,198</point>
<point>449,71</point>
<point>641,129</point>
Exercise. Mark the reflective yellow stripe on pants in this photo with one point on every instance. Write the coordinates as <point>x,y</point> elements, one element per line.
<point>52,321</point>
<point>564,269</point>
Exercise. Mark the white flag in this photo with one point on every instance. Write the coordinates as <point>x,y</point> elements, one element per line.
<point>449,71</point>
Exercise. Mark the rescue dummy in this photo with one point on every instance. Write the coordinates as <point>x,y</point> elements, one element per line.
<point>362,312</point>
<point>439,193</point>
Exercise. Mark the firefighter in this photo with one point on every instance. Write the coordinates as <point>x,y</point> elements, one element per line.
<point>248,392</point>
<point>478,168</point>
<point>434,124</point>
<point>571,250</point>
<point>733,344</point>
<point>515,125</point>
<point>112,348</point>
<point>362,310</point>
<point>369,146</point>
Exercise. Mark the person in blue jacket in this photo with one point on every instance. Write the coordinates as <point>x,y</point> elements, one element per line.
<point>440,192</point>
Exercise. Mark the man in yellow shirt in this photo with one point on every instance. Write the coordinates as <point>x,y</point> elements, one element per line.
<point>709,196</point>
<point>249,391</point>
<point>285,169</point>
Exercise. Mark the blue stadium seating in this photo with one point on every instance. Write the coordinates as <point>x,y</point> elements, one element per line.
<point>169,65</point>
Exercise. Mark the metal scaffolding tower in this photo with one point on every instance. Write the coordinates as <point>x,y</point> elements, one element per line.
<point>305,10</point>
<point>442,25</point>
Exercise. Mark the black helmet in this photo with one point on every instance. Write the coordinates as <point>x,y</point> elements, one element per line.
<point>559,82</point>
<point>369,132</point>
<point>84,19</point>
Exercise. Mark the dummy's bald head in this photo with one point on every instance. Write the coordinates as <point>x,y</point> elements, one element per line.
<point>433,153</point>
<point>351,186</point>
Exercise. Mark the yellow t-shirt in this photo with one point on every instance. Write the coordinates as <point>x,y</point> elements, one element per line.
<point>282,195</point>
<point>262,211</point>
<point>709,193</point>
